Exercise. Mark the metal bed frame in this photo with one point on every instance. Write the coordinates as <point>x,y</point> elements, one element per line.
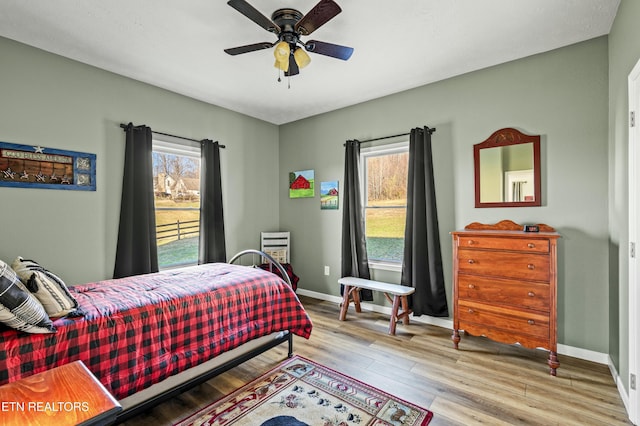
<point>281,337</point>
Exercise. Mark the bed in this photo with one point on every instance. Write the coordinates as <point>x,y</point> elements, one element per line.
<point>149,337</point>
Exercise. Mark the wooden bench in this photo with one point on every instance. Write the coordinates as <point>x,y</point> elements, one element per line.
<point>399,292</point>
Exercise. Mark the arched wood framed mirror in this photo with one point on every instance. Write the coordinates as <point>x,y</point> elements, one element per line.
<point>507,170</point>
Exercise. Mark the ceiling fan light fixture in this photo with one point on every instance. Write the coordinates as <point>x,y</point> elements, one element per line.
<point>281,52</point>
<point>301,57</point>
<point>289,25</point>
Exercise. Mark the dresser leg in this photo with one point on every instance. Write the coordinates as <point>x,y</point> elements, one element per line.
<point>456,338</point>
<point>553,362</point>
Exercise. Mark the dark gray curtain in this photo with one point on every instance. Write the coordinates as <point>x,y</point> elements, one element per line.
<point>354,244</point>
<point>422,262</point>
<point>137,252</point>
<point>212,243</point>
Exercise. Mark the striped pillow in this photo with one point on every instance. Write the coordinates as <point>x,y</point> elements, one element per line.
<point>48,288</point>
<point>19,309</point>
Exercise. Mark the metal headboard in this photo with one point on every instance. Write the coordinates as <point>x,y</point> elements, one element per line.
<point>271,260</point>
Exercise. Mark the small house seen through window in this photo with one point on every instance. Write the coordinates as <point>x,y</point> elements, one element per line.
<point>176,187</point>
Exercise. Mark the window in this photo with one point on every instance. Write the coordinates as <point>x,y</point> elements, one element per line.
<point>385,170</point>
<point>176,188</point>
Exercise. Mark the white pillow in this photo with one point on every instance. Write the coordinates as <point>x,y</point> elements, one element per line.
<point>48,288</point>
<point>19,309</point>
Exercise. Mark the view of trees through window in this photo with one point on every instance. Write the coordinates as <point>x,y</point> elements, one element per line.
<point>176,187</point>
<point>386,205</point>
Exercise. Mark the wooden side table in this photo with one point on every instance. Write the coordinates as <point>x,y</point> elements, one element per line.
<point>65,395</point>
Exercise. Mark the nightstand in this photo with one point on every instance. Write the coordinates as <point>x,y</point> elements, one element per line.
<point>65,395</point>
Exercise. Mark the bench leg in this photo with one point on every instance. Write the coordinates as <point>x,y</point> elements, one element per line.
<point>355,295</point>
<point>349,293</point>
<point>394,315</point>
<point>405,310</point>
<point>345,302</point>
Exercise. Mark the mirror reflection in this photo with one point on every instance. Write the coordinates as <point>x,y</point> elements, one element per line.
<point>507,170</point>
<point>506,174</point>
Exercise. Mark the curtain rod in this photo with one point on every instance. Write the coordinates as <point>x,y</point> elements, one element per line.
<point>124,126</point>
<point>430,130</point>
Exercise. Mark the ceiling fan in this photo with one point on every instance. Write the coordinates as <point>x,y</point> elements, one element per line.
<point>289,25</point>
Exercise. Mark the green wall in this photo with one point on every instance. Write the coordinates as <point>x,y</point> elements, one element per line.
<point>624,53</point>
<point>54,102</point>
<point>560,95</point>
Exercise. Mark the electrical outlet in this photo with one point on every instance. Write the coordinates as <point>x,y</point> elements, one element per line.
<point>326,270</point>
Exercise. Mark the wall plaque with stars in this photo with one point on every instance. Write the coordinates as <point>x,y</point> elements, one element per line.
<point>28,166</point>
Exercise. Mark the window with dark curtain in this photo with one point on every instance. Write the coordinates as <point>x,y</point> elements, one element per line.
<point>136,251</point>
<point>354,246</point>
<point>169,215</point>
<point>422,262</point>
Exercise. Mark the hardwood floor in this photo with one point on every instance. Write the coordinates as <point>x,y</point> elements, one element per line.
<point>481,383</point>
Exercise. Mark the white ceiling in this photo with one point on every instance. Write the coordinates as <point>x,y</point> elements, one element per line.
<point>401,44</point>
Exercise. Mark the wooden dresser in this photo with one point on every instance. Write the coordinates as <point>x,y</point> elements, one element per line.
<point>505,285</point>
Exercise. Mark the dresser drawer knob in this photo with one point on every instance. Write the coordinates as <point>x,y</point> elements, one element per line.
<point>471,311</point>
<point>471,261</point>
<point>531,266</point>
<point>472,286</point>
<point>531,294</point>
<point>470,242</point>
<point>531,322</point>
<point>531,245</point>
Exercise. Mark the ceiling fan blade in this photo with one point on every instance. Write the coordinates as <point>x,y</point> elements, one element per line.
<point>329,49</point>
<point>293,67</point>
<point>252,13</point>
<point>321,13</point>
<point>248,48</point>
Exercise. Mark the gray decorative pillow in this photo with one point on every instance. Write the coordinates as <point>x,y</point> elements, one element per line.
<point>19,309</point>
<point>48,288</point>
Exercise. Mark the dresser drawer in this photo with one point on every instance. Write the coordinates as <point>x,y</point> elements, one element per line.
<point>524,294</point>
<point>529,245</point>
<point>504,264</point>
<point>520,322</point>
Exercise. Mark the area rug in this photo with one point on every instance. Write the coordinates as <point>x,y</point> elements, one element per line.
<point>300,392</point>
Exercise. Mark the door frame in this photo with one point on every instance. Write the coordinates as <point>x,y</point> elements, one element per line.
<point>634,253</point>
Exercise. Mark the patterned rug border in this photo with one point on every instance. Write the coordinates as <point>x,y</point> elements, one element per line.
<point>194,416</point>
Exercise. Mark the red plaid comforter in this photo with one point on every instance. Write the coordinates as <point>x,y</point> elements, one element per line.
<point>140,330</point>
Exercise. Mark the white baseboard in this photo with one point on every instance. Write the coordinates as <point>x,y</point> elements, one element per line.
<point>321,296</point>
<point>585,354</point>
<point>624,395</point>
<point>572,351</point>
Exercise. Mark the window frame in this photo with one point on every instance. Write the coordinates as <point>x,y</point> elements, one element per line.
<point>173,146</point>
<point>377,151</point>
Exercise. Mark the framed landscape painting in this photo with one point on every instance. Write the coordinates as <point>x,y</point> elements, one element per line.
<point>329,195</point>
<point>301,184</point>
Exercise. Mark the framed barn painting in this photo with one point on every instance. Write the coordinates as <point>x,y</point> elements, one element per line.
<point>329,195</point>
<point>301,184</point>
<point>27,166</point>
